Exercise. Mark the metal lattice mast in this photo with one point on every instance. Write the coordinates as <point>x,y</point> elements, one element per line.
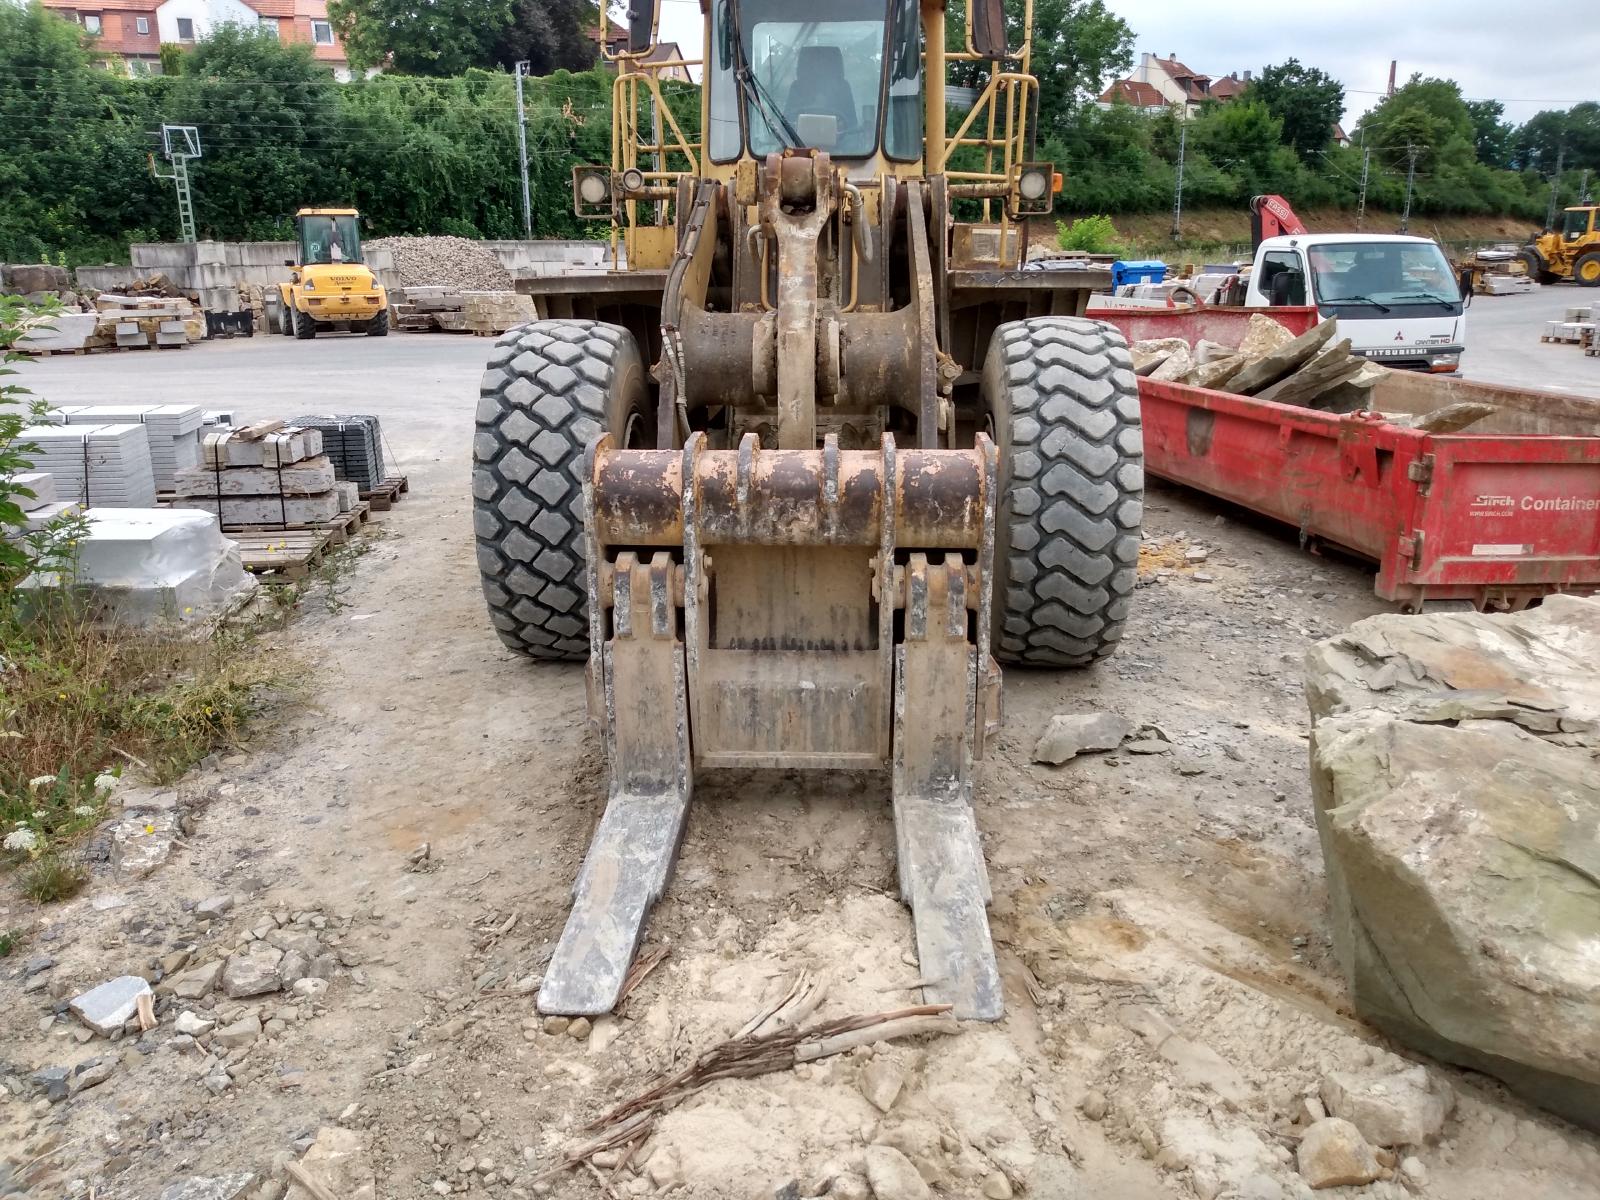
<point>180,144</point>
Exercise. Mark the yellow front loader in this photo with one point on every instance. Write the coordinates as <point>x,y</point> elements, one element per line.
<point>1570,254</point>
<point>331,287</point>
<point>815,454</point>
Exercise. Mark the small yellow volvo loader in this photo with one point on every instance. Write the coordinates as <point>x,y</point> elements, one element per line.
<point>331,288</point>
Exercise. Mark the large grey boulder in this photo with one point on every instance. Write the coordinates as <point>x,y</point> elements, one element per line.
<point>1456,776</point>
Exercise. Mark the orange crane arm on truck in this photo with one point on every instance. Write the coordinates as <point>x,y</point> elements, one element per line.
<point>1271,216</point>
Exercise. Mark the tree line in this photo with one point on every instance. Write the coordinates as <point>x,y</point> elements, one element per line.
<point>432,150</point>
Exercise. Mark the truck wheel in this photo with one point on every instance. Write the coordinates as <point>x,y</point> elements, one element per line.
<point>1064,407</point>
<point>551,388</point>
<point>1586,271</point>
<point>305,326</point>
<point>379,325</point>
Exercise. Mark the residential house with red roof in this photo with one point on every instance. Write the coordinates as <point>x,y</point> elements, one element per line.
<point>133,31</point>
<point>1176,85</point>
<point>125,30</point>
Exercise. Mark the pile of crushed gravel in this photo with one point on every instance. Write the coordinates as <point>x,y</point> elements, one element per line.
<point>446,262</point>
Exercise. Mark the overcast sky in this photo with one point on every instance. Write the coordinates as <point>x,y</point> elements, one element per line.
<point>1532,55</point>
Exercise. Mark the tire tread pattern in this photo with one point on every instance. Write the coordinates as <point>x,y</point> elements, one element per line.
<point>1074,504</point>
<point>542,401</point>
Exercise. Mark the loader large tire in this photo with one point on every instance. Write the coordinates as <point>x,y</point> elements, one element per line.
<point>378,326</point>
<point>551,388</point>
<point>1064,409</point>
<point>305,325</point>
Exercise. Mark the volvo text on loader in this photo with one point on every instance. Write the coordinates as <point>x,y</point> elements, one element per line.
<point>813,454</point>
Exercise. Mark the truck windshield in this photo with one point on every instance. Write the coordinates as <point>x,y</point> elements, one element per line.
<point>1396,274</point>
<point>812,74</point>
<point>330,239</point>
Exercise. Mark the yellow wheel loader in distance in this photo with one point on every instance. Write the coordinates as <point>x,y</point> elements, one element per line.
<point>1570,254</point>
<point>795,476</point>
<point>332,287</point>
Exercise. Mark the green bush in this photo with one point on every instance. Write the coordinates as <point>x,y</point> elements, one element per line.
<point>1092,235</point>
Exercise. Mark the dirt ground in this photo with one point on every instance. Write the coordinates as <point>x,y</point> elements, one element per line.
<point>1171,994</point>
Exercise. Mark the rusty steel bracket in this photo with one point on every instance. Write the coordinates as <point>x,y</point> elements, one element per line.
<point>798,198</point>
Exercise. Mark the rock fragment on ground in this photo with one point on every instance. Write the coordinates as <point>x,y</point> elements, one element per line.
<point>197,982</point>
<point>892,1175</point>
<point>1334,1154</point>
<point>337,1161</point>
<point>1458,805</point>
<point>241,1033</point>
<point>1404,1109</point>
<point>105,1009</point>
<point>210,1187</point>
<point>881,1081</point>
<point>141,842</point>
<point>1072,734</point>
<point>253,973</point>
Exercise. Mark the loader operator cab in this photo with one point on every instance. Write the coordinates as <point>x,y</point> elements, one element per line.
<point>1579,223</point>
<point>813,75</point>
<point>328,238</point>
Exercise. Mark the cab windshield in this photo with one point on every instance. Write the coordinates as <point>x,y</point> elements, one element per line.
<point>1392,274</point>
<point>330,240</point>
<point>792,73</point>
<point>1576,223</point>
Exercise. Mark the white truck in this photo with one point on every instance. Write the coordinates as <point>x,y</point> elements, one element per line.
<point>1397,298</point>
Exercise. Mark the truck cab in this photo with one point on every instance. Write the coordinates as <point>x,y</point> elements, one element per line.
<point>1397,298</point>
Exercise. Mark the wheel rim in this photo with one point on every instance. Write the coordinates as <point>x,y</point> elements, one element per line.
<point>1589,272</point>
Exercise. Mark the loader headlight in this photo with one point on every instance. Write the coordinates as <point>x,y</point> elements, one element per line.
<point>591,192</point>
<point>633,180</point>
<point>309,286</point>
<point>1034,188</point>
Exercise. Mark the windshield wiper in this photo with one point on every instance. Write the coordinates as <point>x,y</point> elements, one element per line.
<point>1357,300</point>
<point>1435,297</point>
<point>752,90</point>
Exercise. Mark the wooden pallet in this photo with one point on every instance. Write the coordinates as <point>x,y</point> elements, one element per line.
<point>292,553</point>
<point>339,530</point>
<point>388,493</point>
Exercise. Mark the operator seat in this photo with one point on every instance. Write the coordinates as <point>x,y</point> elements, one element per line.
<point>820,88</point>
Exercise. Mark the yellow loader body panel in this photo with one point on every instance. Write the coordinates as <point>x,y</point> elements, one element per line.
<point>336,292</point>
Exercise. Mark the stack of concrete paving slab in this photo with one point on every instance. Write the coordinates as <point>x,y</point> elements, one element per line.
<point>105,466</point>
<point>39,509</point>
<point>148,566</point>
<point>1506,285</point>
<point>354,442</point>
<point>41,483</point>
<point>173,430</point>
<point>274,478</point>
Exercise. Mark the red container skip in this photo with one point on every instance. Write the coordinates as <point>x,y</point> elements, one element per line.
<point>1497,515</point>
